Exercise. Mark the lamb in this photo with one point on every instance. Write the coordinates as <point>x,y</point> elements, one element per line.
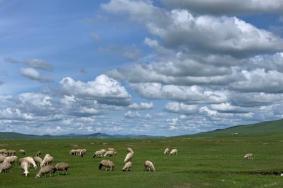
<point>128,166</point>
<point>25,166</point>
<point>107,165</point>
<point>62,167</point>
<point>249,156</point>
<point>129,156</point>
<point>46,160</point>
<point>110,153</point>
<point>5,166</point>
<point>10,159</point>
<point>166,151</point>
<point>148,166</point>
<point>173,152</point>
<point>48,169</point>
<point>99,153</point>
<point>22,151</point>
<point>37,160</point>
<point>30,161</point>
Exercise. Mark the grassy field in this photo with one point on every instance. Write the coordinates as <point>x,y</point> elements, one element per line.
<point>205,160</point>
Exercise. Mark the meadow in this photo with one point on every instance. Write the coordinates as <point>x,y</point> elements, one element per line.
<point>212,159</point>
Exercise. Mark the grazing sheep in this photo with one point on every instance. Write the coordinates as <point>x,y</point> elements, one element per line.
<point>148,166</point>
<point>11,152</point>
<point>99,153</point>
<point>62,167</point>
<point>49,169</point>
<point>2,158</point>
<point>5,166</point>
<point>30,161</point>
<point>129,156</point>
<point>73,151</point>
<point>46,160</point>
<point>25,166</point>
<point>82,152</point>
<point>166,151</point>
<point>10,159</point>
<point>128,166</point>
<point>38,153</point>
<point>106,165</point>
<point>130,150</point>
<point>78,152</point>
<point>249,156</point>
<point>22,151</point>
<point>110,153</point>
<point>37,160</point>
<point>173,152</point>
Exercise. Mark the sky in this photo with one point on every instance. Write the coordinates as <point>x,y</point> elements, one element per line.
<point>143,67</point>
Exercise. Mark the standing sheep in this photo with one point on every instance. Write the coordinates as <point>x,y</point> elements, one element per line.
<point>110,153</point>
<point>11,152</point>
<point>10,159</point>
<point>62,167</point>
<point>148,166</point>
<point>128,166</point>
<point>37,160</point>
<point>106,165</point>
<point>173,152</point>
<point>2,158</point>
<point>30,161</point>
<point>46,160</point>
<point>5,166</point>
<point>25,166</point>
<point>249,156</point>
<point>99,153</point>
<point>166,151</point>
<point>49,169</point>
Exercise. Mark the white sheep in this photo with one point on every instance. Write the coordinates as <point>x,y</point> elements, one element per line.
<point>10,159</point>
<point>166,151</point>
<point>49,169</point>
<point>128,166</point>
<point>11,152</point>
<point>62,167</point>
<point>99,153</point>
<point>5,166</point>
<point>148,166</point>
<point>130,150</point>
<point>46,160</point>
<point>2,158</point>
<point>174,152</point>
<point>25,166</point>
<point>129,155</point>
<point>106,165</point>
<point>30,161</point>
<point>249,156</point>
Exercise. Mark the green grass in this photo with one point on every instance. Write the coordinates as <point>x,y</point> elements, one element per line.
<point>205,160</point>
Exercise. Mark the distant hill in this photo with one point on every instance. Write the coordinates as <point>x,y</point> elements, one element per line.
<point>13,135</point>
<point>263,128</point>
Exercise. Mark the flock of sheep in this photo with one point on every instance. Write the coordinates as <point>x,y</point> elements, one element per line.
<point>8,158</point>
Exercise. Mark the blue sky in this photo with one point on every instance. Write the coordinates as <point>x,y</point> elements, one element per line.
<point>139,67</point>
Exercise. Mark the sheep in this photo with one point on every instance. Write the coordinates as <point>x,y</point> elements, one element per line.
<point>46,160</point>
<point>11,152</point>
<point>148,166</point>
<point>73,151</point>
<point>166,151</point>
<point>62,167</point>
<point>22,151</point>
<point>2,158</point>
<point>37,160</point>
<point>107,165</point>
<point>78,152</point>
<point>30,161</point>
<point>38,153</point>
<point>129,155</point>
<point>5,166</point>
<point>25,166</point>
<point>173,152</point>
<point>128,166</point>
<point>249,156</point>
<point>10,159</point>
<point>99,153</point>
<point>3,152</point>
<point>110,153</point>
<point>82,152</point>
<point>48,169</point>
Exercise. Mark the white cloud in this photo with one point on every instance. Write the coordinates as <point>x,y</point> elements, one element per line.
<point>181,108</point>
<point>33,74</point>
<point>141,106</point>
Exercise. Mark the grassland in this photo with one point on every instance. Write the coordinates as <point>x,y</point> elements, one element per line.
<point>204,160</point>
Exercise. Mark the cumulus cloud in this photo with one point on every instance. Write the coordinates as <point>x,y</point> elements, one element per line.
<point>141,106</point>
<point>181,108</point>
<point>227,6</point>
<point>103,89</point>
